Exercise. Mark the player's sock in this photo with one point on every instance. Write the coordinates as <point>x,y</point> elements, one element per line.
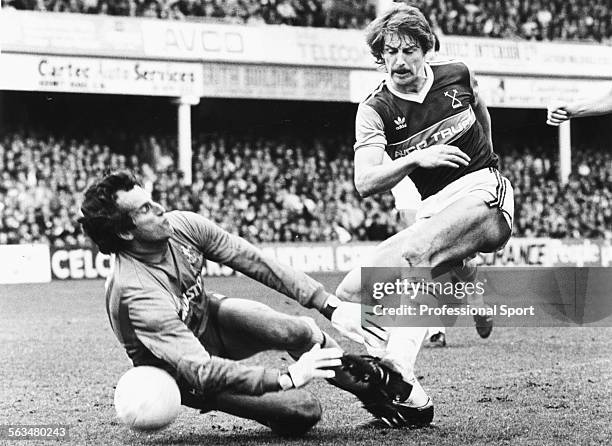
<point>401,353</point>
<point>418,397</point>
<point>403,347</point>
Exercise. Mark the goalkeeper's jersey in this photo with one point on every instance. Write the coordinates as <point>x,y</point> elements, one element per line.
<point>159,311</point>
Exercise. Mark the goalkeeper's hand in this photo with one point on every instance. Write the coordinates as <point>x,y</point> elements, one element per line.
<point>314,364</point>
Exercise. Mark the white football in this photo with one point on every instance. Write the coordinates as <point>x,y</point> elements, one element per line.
<point>147,398</point>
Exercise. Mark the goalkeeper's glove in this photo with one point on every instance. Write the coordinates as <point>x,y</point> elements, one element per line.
<point>312,364</point>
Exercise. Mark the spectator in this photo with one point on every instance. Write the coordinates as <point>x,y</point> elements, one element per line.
<point>275,189</point>
<point>585,20</point>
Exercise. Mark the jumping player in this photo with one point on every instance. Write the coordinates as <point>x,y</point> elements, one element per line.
<point>428,119</point>
<point>162,315</point>
<point>407,200</point>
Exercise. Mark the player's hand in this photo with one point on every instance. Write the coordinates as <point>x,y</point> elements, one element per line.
<point>313,364</point>
<point>441,155</point>
<point>556,114</point>
<point>347,320</point>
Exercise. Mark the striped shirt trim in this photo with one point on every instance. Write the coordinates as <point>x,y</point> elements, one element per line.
<point>376,90</point>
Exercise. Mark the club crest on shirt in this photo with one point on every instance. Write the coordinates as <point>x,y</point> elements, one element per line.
<point>456,103</point>
<point>194,257</point>
<point>182,305</point>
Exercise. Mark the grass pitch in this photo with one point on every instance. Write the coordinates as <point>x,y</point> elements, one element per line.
<point>60,363</point>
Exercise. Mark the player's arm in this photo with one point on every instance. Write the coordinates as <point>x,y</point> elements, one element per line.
<point>481,111</point>
<point>235,252</point>
<point>559,112</point>
<point>158,327</point>
<point>372,176</point>
<point>222,247</point>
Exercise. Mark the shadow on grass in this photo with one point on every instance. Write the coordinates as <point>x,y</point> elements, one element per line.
<point>341,435</point>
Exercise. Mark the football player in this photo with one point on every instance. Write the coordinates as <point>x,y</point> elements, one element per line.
<point>428,118</point>
<point>161,312</point>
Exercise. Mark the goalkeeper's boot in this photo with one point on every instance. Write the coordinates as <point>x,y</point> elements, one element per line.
<point>387,398</point>
<point>484,325</point>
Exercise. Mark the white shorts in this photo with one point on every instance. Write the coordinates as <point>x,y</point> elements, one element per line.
<point>488,184</point>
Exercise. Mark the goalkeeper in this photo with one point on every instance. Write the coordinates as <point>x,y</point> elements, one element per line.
<point>162,315</point>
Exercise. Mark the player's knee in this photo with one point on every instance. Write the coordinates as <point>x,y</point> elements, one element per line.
<point>349,288</point>
<point>309,411</point>
<point>305,413</point>
<point>345,293</point>
<point>296,334</point>
<point>416,253</point>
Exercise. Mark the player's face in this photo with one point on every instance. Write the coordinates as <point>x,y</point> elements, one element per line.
<point>405,63</point>
<point>148,216</point>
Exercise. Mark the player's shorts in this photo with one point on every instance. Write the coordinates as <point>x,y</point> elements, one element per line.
<point>488,184</point>
<point>211,338</point>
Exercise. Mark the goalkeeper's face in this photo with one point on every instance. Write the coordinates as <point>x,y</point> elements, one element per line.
<point>148,216</point>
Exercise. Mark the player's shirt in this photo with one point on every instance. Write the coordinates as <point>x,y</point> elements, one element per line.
<point>159,311</point>
<point>441,113</point>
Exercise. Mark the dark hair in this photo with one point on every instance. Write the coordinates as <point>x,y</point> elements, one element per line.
<point>401,19</point>
<point>436,45</point>
<point>102,219</point>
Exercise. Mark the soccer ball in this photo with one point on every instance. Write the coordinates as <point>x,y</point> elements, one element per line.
<point>147,398</point>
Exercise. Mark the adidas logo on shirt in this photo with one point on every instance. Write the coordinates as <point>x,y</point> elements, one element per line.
<point>400,123</point>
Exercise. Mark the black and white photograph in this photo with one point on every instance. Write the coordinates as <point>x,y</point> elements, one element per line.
<point>306,222</point>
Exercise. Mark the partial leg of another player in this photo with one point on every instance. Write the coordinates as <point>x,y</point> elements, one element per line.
<point>467,272</point>
<point>458,231</point>
<point>463,228</point>
<point>405,342</point>
<point>437,336</point>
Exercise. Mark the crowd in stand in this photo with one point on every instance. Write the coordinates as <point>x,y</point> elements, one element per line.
<point>273,190</point>
<point>589,20</point>
<point>528,19</point>
<point>318,13</point>
<point>544,207</point>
